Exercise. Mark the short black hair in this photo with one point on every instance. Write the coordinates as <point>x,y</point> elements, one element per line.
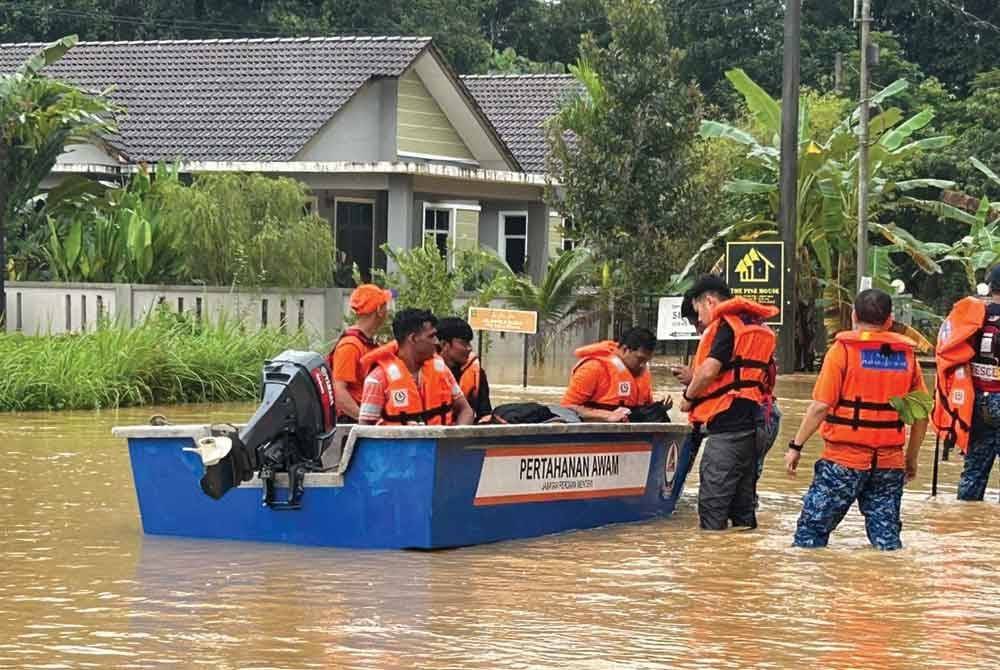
<point>638,338</point>
<point>409,321</point>
<point>993,279</point>
<point>687,309</point>
<point>873,306</point>
<point>454,327</point>
<point>710,284</point>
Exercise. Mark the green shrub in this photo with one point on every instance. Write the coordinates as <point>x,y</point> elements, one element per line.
<point>166,359</point>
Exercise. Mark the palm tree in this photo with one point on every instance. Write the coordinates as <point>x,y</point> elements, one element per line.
<point>557,299</point>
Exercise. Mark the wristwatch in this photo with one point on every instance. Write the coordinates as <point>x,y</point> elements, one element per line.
<point>795,447</point>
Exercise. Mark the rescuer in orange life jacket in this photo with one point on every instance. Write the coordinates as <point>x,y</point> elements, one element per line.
<point>409,384</point>
<point>863,457</point>
<point>731,377</point>
<point>371,305</point>
<point>455,338</point>
<point>612,379</point>
<point>967,407</point>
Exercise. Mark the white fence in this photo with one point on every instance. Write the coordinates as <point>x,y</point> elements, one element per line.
<point>37,308</point>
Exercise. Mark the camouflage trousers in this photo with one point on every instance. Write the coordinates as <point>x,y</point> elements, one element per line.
<point>984,447</point>
<point>835,488</point>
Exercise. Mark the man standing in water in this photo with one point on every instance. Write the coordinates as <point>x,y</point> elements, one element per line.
<point>967,407</point>
<point>409,383</point>
<point>731,376</point>
<point>371,305</point>
<point>863,434</point>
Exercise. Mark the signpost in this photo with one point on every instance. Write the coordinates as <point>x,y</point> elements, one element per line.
<point>754,270</point>
<point>505,321</point>
<point>670,325</point>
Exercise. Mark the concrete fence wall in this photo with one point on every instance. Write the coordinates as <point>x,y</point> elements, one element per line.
<point>40,308</point>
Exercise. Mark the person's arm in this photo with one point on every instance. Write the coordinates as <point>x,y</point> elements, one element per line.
<point>345,371</point>
<point>462,411</point>
<point>811,421</point>
<point>710,369</point>
<point>917,431</point>
<point>485,405</point>
<point>343,401</point>
<point>826,394</point>
<point>582,388</point>
<point>372,399</point>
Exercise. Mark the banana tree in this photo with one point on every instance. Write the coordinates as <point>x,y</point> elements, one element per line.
<point>828,191</point>
<point>38,118</point>
<point>978,251</point>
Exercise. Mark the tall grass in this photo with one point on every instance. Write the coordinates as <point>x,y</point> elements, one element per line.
<point>165,359</point>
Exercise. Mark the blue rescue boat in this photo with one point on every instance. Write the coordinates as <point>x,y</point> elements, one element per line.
<point>419,487</point>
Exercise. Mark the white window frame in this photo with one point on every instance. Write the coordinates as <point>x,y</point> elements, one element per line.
<point>337,199</point>
<point>564,240</point>
<point>452,208</point>
<point>502,234</point>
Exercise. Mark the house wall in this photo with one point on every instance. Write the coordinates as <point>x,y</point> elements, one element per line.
<point>363,130</point>
<point>422,128</point>
<point>538,230</point>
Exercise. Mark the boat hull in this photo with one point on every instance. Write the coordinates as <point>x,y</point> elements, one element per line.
<point>426,487</point>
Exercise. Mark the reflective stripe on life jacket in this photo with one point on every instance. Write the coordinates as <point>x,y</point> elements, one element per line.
<point>954,395</point>
<point>468,379</point>
<point>880,366</point>
<point>623,388</point>
<point>751,371</point>
<point>406,402</point>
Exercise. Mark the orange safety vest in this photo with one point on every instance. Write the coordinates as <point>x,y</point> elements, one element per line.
<point>880,365</point>
<point>751,372</point>
<point>406,402</point>
<point>954,393</point>
<point>353,337</point>
<point>624,389</point>
<point>469,379</point>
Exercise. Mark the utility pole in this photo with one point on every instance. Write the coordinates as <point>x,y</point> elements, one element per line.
<point>866,20</point>
<point>838,73</point>
<point>788,209</point>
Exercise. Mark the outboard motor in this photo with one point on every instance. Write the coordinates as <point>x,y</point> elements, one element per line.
<point>287,434</point>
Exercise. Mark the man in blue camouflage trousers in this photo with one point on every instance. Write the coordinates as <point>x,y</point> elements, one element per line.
<point>864,437</point>
<point>984,447</point>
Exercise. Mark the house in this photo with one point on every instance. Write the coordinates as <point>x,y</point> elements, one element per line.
<point>391,143</point>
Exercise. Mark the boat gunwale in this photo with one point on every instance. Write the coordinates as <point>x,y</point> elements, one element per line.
<point>195,431</point>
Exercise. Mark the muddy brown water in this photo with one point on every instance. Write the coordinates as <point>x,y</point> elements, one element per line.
<point>81,587</point>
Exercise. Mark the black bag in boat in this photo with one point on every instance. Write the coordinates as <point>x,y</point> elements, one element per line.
<point>530,412</point>
<point>654,412</point>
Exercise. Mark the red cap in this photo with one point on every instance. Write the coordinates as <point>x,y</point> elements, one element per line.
<point>367,298</point>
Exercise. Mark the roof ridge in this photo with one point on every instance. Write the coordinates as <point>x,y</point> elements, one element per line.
<point>239,40</point>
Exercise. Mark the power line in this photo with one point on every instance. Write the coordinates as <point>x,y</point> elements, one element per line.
<point>972,18</point>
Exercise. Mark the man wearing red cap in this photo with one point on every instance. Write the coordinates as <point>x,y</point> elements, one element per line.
<point>371,305</point>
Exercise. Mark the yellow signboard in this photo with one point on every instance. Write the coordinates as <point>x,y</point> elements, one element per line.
<point>503,320</point>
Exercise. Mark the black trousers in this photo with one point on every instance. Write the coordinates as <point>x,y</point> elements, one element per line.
<point>728,480</point>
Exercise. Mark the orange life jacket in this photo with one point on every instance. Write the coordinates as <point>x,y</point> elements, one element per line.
<point>954,393</point>
<point>469,379</point>
<point>751,372</point>
<point>624,389</point>
<point>353,337</point>
<point>406,402</point>
<point>880,365</point>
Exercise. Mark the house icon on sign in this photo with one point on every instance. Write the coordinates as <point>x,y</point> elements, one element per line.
<point>754,267</point>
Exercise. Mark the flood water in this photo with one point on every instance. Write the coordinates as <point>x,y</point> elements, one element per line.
<point>81,587</point>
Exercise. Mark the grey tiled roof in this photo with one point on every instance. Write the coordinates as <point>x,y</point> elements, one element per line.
<point>518,106</point>
<point>219,100</point>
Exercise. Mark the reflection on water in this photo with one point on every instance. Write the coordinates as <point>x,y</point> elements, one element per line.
<point>80,586</point>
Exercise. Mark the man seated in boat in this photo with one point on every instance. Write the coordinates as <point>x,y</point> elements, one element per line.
<point>455,337</point>
<point>371,306</point>
<point>408,383</point>
<point>612,379</point>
